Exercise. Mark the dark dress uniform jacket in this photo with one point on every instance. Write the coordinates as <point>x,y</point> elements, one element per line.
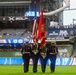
<point>34,51</point>
<point>26,51</point>
<point>53,50</point>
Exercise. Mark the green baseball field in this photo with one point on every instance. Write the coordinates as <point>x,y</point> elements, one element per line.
<point>18,70</point>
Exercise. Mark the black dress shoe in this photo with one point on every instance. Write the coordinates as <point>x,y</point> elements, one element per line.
<point>25,71</point>
<point>43,71</point>
<point>52,71</point>
<point>34,71</point>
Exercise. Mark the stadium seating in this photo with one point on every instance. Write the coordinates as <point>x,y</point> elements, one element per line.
<point>14,33</point>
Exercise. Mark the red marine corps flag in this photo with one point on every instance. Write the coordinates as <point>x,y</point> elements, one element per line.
<point>41,31</point>
<point>34,33</point>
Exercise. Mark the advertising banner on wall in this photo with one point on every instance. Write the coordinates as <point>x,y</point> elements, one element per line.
<point>61,33</point>
<point>11,41</point>
<point>13,18</point>
<point>18,61</point>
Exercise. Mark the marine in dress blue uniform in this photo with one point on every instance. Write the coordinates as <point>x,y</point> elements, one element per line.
<point>35,55</point>
<point>53,51</point>
<point>43,58</point>
<point>26,56</point>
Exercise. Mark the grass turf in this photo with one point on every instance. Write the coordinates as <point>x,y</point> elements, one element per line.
<point>18,70</point>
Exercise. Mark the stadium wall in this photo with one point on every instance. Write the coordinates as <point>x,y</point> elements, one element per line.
<point>18,61</point>
<point>10,54</point>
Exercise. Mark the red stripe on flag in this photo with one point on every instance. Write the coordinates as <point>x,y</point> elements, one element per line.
<point>34,33</point>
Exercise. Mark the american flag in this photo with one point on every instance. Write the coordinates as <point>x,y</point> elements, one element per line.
<point>34,33</point>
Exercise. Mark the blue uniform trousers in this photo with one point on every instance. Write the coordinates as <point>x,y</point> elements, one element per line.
<point>43,64</point>
<point>26,59</point>
<point>35,62</point>
<point>53,61</point>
